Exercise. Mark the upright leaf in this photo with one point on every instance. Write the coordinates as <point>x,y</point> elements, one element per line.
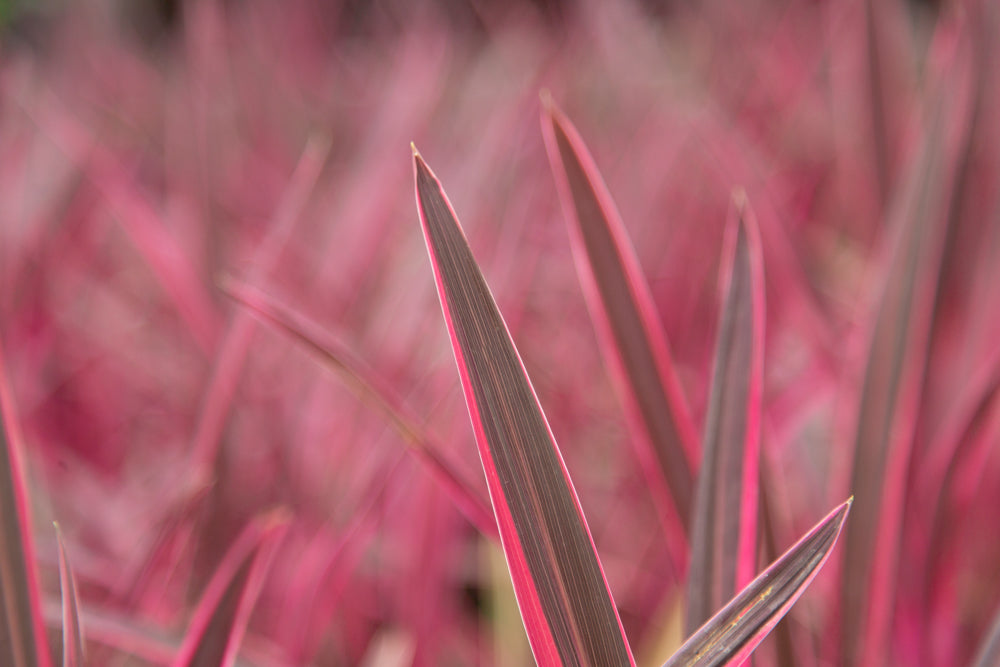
<point>72,634</point>
<point>624,313</point>
<point>887,406</point>
<point>22,634</point>
<point>218,624</point>
<point>730,636</point>
<point>723,536</point>
<point>564,598</point>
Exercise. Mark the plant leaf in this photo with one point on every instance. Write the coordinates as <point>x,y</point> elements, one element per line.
<point>368,387</point>
<point>22,634</point>
<point>218,624</point>
<point>888,406</point>
<point>72,634</point>
<point>988,654</point>
<point>730,636</point>
<point>568,612</point>
<point>724,528</point>
<point>624,313</point>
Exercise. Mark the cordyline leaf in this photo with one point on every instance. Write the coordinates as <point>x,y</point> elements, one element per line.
<point>724,527</point>
<point>730,636</point>
<point>564,598</point>
<point>367,386</point>
<point>625,316</point>
<point>219,621</point>
<point>22,634</point>
<point>72,634</point>
<point>888,404</point>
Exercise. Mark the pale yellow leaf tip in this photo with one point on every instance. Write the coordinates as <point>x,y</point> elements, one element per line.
<point>413,147</point>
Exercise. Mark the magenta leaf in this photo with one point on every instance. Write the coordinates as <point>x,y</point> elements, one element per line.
<point>625,315</point>
<point>370,389</point>
<point>72,634</point>
<point>22,633</point>
<point>568,612</point>
<point>888,405</point>
<point>730,636</point>
<point>724,527</point>
<point>220,620</point>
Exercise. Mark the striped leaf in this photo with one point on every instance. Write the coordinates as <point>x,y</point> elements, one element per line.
<point>729,637</point>
<point>565,603</point>
<point>723,538</point>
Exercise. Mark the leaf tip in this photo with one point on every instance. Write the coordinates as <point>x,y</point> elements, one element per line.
<point>548,104</point>
<point>413,147</point>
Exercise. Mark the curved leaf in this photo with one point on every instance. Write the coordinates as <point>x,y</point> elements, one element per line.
<point>367,386</point>
<point>730,636</point>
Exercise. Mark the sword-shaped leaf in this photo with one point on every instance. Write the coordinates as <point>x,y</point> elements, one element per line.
<point>22,634</point>
<point>218,624</point>
<point>724,527</point>
<point>888,403</point>
<point>624,313</point>
<point>568,612</point>
<point>729,637</point>
<point>72,634</point>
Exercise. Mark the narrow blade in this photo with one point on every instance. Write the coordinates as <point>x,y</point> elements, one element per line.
<point>72,633</point>
<point>723,538</point>
<point>730,636</point>
<point>22,635</point>
<point>563,596</point>
<point>221,617</point>
<point>625,316</point>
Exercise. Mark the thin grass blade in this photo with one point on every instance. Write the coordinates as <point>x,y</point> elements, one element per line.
<point>565,603</point>
<point>730,636</point>
<point>724,527</point>
<point>220,620</point>
<point>72,633</point>
<point>367,386</point>
<point>22,633</point>
<point>624,313</point>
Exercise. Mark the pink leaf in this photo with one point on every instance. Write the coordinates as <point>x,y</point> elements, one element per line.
<point>367,386</point>
<point>22,634</point>
<point>723,538</point>
<point>564,599</point>
<point>221,617</point>
<point>72,634</point>
<point>625,315</point>
<point>730,636</point>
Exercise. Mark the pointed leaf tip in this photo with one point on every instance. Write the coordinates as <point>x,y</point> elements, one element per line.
<point>729,637</point>
<point>563,596</point>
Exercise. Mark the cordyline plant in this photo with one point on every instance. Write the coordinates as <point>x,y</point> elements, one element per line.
<point>785,339</point>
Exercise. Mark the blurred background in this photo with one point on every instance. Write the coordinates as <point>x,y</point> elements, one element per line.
<point>151,151</point>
